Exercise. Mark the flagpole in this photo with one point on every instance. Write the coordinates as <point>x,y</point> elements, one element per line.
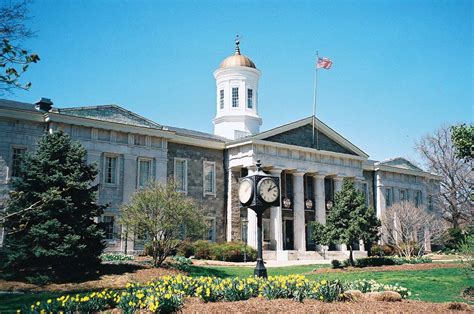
<point>314,97</point>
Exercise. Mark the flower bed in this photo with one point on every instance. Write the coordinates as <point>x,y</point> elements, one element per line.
<point>167,293</point>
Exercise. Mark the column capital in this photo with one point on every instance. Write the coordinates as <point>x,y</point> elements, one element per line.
<point>320,175</point>
<point>338,178</point>
<point>360,178</point>
<point>299,173</point>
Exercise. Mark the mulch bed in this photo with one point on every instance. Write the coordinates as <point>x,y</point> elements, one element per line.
<point>112,277</point>
<point>403,267</point>
<point>259,305</point>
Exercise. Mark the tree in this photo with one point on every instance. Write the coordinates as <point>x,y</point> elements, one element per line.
<point>439,154</point>
<point>14,59</point>
<point>50,228</point>
<point>349,220</point>
<point>463,139</point>
<point>163,216</point>
<point>408,228</point>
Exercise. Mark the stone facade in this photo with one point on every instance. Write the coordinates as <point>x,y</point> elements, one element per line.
<point>213,205</point>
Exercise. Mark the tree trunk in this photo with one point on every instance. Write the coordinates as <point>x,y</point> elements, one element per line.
<point>351,256</point>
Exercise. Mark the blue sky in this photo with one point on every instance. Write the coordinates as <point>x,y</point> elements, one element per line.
<point>401,68</point>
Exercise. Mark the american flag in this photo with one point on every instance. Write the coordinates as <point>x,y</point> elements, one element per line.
<point>324,63</point>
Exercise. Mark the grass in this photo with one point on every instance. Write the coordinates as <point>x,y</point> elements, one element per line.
<point>435,285</point>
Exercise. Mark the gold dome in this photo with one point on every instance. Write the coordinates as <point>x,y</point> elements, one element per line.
<point>237,60</point>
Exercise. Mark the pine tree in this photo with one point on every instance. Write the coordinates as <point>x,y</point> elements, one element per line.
<point>50,229</point>
<point>349,220</point>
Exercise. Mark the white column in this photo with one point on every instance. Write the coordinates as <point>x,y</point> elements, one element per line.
<point>276,222</point>
<point>129,187</point>
<point>427,239</point>
<point>252,228</point>
<point>298,212</point>
<point>380,195</point>
<point>319,192</point>
<point>338,187</point>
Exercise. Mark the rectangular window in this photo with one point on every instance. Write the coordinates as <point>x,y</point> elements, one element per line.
<point>403,195</point>
<point>266,229</point>
<point>235,97</point>
<point>17,158</point>
<point>181,174</point>
<point>209,173</point>
<point>388,197</point>
<point>365,190</point>
<point>430,202</point>
<point>221,98</point>
<point>144,172</point>
<point>418,200</point>
<point>249,98</point>
<point>289,185</point>
<point>211,233</point>
<point>309,191</point>
<point>108,225</point>
<point>110,170</point>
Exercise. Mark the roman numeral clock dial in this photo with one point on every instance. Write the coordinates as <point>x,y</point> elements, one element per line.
<point>268,190</point>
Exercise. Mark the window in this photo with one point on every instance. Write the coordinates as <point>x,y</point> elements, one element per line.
<point>365,191</point>
<point>144,172</point>
<point>211,234</point>
<point>249,98</point>
<point>288,185</point>
<point>266,229</point>
<point>110,170</point>
<point>418,200</point>
<point>209,173</point>
<point>108,225</point>
<point>17,158</point>
<point>403,195</point>
<point>309,191</point>
<point>388,197</point>
<point>221,98</point>
<point>181,174</point>
<point>430,202</point>
<point>235,97</point>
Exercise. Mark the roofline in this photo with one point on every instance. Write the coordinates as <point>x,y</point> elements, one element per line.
<point>419,173</point>
<point>113,106</point>
<point>338,138</point>
<point>25,114</point>
<point>101,124</point>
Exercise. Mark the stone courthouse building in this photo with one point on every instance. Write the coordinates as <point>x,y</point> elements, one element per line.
<point>131,150</point>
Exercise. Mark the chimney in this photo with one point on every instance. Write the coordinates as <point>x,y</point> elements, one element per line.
<point>44,104</point>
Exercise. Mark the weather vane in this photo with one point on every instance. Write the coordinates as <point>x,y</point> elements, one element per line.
<point>237,43</point>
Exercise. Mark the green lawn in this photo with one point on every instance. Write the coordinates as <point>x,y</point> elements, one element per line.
<point>436,285</point>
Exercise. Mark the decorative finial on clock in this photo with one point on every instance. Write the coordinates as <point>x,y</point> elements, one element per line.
<point>259,165</point>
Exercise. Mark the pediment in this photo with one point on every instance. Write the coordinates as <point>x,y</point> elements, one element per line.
<point>110,113</point>
<point>401,163</point>
<point>300,133</point>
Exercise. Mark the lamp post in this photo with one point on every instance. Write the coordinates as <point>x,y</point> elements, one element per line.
<point>259,191</point>
<point>245,223</point>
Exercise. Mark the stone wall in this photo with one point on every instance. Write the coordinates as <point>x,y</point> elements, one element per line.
<point>214,205</point>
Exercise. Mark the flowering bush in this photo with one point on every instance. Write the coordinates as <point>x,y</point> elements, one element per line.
<point>115,257</point>
<point>181,263</point>
<point>168,292</point>
<point>373,286</point>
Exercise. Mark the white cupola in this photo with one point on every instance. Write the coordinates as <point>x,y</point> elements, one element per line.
<point>236,97</point>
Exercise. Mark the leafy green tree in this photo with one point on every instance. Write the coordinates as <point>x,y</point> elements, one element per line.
<point>14,59</point>
<point>163,216</point>
<point>349,220</point>
<point>49,222</point>
<point>463,140</point>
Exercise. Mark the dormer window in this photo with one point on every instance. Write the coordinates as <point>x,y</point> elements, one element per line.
<point>235,97</point>
<point>249,98</point>
<point>221,98</point>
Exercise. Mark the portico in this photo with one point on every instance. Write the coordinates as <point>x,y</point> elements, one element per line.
<point>309,178</point>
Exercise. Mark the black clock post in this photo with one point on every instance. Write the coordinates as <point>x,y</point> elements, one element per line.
<point>259,191</point>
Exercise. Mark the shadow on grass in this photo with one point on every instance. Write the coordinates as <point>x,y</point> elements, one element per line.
<point>196,271</point>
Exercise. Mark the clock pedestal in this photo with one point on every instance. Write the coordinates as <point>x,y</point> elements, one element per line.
<point>260,270</point>
<point>259,192</point>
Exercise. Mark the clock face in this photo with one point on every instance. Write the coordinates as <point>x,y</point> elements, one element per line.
<point>268,190</point>
<point>245,191</point>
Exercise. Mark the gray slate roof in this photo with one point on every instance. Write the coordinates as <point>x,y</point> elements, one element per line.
<point>11,104</point>
<point>110,113</point>
<point>197,134</point>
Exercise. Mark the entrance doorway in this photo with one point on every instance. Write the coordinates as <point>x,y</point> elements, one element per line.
<point>288,234</point>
